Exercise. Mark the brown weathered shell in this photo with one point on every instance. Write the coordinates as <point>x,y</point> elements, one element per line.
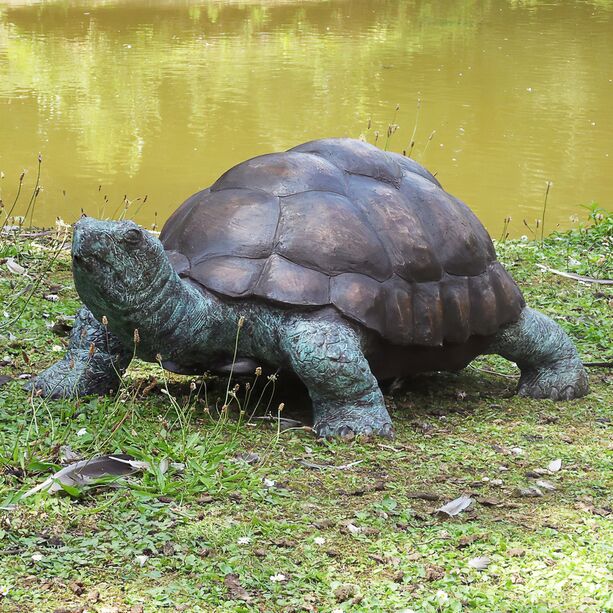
<point>340,222</point>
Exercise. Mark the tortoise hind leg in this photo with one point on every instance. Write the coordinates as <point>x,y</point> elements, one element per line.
<point>346,398</point>
<point>93,364</point>
<point>549,363</point>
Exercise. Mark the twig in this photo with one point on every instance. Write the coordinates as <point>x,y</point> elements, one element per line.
<point>599,364</point>
<point>493,372</point>
<point>308,464</point>
<point>572,275</point>
<point>549,184</point>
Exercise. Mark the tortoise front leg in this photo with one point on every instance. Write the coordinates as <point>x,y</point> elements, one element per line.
<point>346,398</point>
<point>549,363</point>
<point>93,364</point>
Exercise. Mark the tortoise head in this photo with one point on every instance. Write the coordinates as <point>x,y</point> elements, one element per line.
<point>117,265</point>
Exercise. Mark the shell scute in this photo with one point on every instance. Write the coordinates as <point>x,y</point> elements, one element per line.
<point>239,222</point>
<point>321,230</point>
<point>427,314</point>
<point>228,275</point>
<point>407,243</point>
<point>456,308</point>
<point>283,174</point>
<point>289,283</point>
<point>355,157</point>
<point>483,312</point>
<point>462,251</point>
<point>399,311</point>
<point>361,298</point>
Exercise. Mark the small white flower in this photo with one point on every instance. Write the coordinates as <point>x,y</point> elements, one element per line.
<point>319,540</point>
<point>523,238</point>
<point>4,590</point>
<point>37,557</point>
<point>269,482</point>
<point>244,540</point>
<point>278,578</point>
<point>81,432</point>
<point>57,348</point>
<point>442,597</point>
<point>142,559</point>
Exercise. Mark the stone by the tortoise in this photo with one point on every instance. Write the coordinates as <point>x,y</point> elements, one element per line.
<point>348,264</point>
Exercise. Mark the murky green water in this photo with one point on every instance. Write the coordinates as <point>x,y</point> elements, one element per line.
<point>159,98</point>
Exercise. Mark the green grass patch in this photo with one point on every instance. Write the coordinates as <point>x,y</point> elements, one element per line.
<point>310,525</point>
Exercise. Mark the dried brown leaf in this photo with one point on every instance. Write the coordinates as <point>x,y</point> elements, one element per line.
<point>235,590</point>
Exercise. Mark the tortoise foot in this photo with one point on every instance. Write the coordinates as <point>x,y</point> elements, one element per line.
<point>348,423</point>
<point>71,380</point>
<point>563,380</point>
<point>93,364</point>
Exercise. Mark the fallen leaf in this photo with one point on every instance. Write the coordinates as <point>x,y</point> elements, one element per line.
<point>163,466</point>
<point>284,543</point>
<point>235,590</point>
<point>479,563</point>
<point>434,573</point>
<point>546,485</point>
<point>377,486</point>
<point>4,379</point>
<point>528,492</point>
<point>467,540</point>
<point>344,592</point>
<point>76,587</point>
<point>248,457</point>
<point>67,455</point>
<point>84,472</point>
<point>489,502</point>
<point>15,268</point>
<point>516,552</point>
<point>536,473</point>
<point>554,466</point>
<point>321,524</point>
<point>456,506</point>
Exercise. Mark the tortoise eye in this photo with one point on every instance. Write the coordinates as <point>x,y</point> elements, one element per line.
<point>133,235</point>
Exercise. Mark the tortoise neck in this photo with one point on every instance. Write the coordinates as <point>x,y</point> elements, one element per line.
<point>175,316</point>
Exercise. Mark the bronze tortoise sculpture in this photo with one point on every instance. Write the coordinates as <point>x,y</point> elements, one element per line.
<point>347,264</point>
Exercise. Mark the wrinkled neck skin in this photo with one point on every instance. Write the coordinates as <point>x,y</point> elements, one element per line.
<point>173,318</point>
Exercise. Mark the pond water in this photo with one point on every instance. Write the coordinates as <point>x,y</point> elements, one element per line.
<point>134,98</point>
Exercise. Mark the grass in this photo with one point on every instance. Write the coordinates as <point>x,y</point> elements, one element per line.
<point>203,530</point>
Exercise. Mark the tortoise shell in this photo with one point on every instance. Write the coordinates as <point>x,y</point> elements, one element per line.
<point>340,222</point>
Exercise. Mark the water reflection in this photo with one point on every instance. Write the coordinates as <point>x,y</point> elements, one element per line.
<point>160,98</point>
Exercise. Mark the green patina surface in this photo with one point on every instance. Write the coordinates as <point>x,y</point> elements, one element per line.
<point>316,539</point>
